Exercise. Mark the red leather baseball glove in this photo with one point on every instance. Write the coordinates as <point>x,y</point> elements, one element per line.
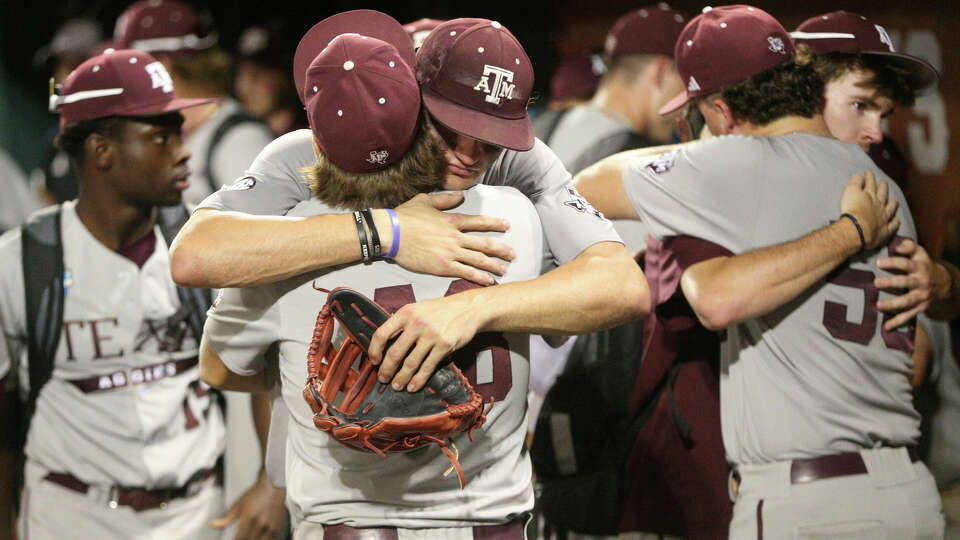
<point>357,410</point>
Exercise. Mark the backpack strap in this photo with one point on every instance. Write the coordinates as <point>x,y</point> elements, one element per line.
<point>238,117</point>
<point>44,289</point>
<point>548,122</point>
<point>194,302</point>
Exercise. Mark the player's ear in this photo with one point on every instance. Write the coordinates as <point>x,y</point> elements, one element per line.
<point>99,150</point>
<point>662,69</point>
<point>728,122</point>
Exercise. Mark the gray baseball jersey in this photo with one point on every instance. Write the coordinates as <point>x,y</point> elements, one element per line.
<point>331,483</point>
<point>117,410</point>
<point>818,375</point>
<point>274,184</point>
<point>232,155</point>
<point>944,376</point>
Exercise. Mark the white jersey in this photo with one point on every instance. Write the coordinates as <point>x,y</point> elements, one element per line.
<point>330,483</point>
<point>816,376</point>
<point>117,409</point>
<point>274,184</point>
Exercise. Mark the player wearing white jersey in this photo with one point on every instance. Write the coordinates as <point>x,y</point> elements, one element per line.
<point>493,110</point>
<point>816,406</point>
<point>334,489</point>
<point>125,440</point>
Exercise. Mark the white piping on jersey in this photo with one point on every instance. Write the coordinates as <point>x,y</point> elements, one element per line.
<point>821,35</point>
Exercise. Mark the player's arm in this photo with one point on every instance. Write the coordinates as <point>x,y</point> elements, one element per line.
<point>600,288</point>
<point>602,183</point>
<point>215,373</point>
<point>261,511</point>
<point>727,290</point>
<point>232,249</point>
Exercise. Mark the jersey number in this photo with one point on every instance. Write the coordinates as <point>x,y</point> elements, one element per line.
<point>490,374</point>
<point>835,314</point>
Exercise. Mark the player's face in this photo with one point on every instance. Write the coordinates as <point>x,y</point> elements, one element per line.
<point>152,161</point>
<point>467,158</point>
<point>854,113</point>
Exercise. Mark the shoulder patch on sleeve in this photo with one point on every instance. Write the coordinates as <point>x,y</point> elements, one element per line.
<point>247,182</point>
<point>664,162</point>
<point>578,203</point>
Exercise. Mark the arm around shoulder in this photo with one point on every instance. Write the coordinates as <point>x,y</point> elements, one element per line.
<point>215,373</point>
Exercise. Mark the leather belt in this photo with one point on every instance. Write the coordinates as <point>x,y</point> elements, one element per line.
<point>133,376</point>
<point>513,530</point>
<point>139,498</point>
<point>810,470</point>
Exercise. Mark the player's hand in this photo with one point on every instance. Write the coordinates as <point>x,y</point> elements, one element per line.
<point>914,275</point>
<point>260,513</point>
<point>427,332</point>
<point>435,242</point>
<point>869,201</point>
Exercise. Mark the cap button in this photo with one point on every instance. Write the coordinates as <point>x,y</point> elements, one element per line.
<point>348,65</point>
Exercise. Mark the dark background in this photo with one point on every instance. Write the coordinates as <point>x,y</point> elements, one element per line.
<point>547,30</point>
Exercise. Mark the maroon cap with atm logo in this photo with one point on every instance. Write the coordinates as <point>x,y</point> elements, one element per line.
<point>845,32</point>
<point>476,79</point>
<point>363,103</point>
<point>119,83</point>
<point>727,45</point>
<point>648,30</point>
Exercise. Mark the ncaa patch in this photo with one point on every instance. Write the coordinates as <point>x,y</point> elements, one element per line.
<point>664,162</point>
<point>578,203</point>
<point>247,182</point>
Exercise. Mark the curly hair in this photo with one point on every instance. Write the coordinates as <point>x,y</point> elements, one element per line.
<point>72,137</point>
<point>791,89</point>
<point>421,170</point>
<point>887,79</point>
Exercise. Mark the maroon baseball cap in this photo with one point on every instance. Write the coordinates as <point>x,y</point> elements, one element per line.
<point>120,83</point>
<point>648,30</point>
<point>845,32</point>
<point>577,76</point>
<point>476,79</point>
<point>162,26</point>
<point>726,45</point>
<point>367,22</point>
<point>363,103</point>
<point>419,30</point>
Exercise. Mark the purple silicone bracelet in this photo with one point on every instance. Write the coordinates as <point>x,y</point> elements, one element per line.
<point>395,225</point>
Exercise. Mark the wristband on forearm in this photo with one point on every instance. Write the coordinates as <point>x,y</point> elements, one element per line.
<point>863,241</point>
<point>362,233</point>
<point>395,226</point>
<point>374,236</point>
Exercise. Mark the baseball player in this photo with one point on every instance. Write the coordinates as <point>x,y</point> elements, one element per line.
<point>333,490</point>
<point>820,431</point>
<point>491,108</point>
<point>125,440</point>
<point>221,137</point>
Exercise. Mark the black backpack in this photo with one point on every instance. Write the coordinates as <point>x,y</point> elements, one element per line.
<point>43,272</point>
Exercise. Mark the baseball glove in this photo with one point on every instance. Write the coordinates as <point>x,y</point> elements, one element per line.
<point>357,410</point>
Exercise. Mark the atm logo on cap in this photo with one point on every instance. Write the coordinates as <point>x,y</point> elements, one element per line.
<point>159,77</point>
<point>501,87</point>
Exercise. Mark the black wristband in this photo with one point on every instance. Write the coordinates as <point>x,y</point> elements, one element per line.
<point>374,236</point>
<point>863,241</point>
<point>364,248</point>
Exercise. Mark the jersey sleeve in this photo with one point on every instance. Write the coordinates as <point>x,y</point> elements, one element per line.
<point>673,194</point>
<point>238,148</point>
<point>570,223</point>
<point>273,184</point>
<point>241,325</point>
<point>12,321</point>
